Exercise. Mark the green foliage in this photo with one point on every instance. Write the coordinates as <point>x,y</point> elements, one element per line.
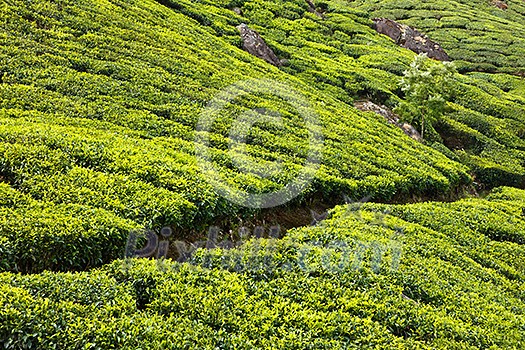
<point>458,284</point>
<point>98,106</point>
<point>99,103</point>
<point>427,87</point>
<point>477,34</point>
<point>481,39</point>
<point>36,236</point>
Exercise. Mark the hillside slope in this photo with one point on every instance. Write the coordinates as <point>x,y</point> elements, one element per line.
<point>478,35</point>
<point>104,115</point>
<point>99,102</point>
<point>421,276</point>
<point>100,99</point>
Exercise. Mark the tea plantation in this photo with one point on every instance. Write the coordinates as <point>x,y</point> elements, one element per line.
<point>477,34</point>
<point>451,276</point>
<point>100,107</point>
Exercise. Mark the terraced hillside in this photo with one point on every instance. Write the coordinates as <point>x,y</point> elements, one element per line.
<point>100,100</point>
<point>102,108</point>
<point>479,35</point>
<point>423,276</point>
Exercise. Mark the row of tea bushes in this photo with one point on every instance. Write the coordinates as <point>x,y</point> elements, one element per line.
<point>458,283</point>
<point>105,120</point>
<point>98,107</point>
<point>343,56</point>
<point>35,236</point>
<point>476,33</point>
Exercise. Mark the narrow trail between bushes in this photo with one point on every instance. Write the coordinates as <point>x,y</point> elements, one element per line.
<point>304,215</point>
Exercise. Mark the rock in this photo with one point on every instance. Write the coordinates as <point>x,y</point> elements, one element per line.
<point>391,117</point>
<point>284,62</point>
<point>410,38</point>
<point>313,9</point>
<point>237,11</point>
<point>500,4</point>
<point>317,218</point>
<point>255,45</point>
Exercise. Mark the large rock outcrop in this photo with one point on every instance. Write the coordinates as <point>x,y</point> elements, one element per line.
<point>410,38</point>
<point>390,117</point>
<point>255,44</point>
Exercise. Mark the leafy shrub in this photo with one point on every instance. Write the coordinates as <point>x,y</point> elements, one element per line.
<point>261,295</point>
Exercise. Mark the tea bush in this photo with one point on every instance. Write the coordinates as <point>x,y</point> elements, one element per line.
<point>475,32</point>
<point>99,102</point>
<point>99,105</point>
<point>458,283</point>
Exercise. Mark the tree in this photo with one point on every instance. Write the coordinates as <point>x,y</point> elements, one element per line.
<point>427,85</point>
